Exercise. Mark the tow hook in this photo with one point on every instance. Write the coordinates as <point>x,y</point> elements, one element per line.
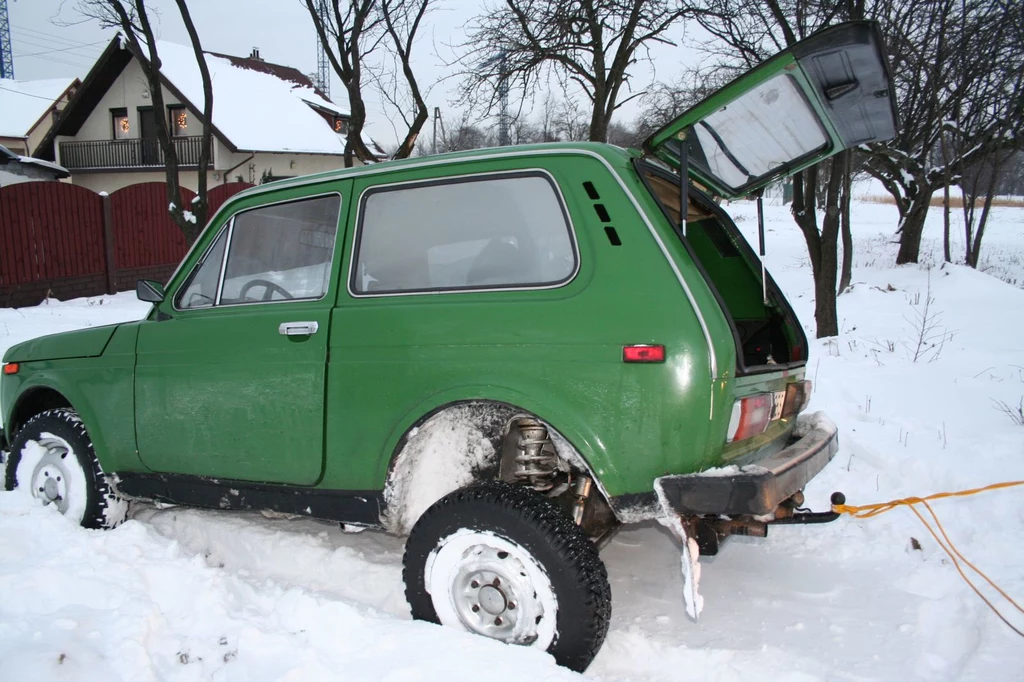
<point>798,514</point>
<point>710,533</point>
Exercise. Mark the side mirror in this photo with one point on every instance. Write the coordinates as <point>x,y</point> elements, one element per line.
<point>149,291</point>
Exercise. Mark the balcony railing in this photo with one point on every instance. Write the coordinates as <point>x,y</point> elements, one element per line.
<point>136,153</point>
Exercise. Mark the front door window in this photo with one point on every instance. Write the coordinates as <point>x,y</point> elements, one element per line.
<point>280,252</point>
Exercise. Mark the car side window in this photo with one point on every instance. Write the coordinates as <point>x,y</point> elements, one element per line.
<point>201,291</point>
<point>275,253</point>
<point>472,233</point>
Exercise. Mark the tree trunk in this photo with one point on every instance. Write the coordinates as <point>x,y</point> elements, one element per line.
<point>825,313</point>
<point>598,125</point>
<point>946,253</point>
<point>846,228</point>
<point>200,205</point>
<point>989,195</point>
<point>912,227</point>
<point>822,248</point>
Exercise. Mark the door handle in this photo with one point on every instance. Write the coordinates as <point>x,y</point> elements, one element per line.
<point>298,328</point>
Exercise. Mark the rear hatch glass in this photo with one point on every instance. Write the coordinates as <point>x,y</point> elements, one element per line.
<point>828,92</point>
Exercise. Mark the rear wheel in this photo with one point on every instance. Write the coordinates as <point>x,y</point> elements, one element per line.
<point>503,562</point>
<point>52,457</point>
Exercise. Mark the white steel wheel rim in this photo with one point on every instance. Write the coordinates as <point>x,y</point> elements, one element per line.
<point>50,470</point>
<point>492,586</point>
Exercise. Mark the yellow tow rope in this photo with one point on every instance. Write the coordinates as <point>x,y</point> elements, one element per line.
<point>868,510</point>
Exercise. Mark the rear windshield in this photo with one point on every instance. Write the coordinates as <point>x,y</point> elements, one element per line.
<point>765,128</point>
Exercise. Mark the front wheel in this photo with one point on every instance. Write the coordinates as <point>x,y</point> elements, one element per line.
<point>52,457</point>
<point>503,562</point>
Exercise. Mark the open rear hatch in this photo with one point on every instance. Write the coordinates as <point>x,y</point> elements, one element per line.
<point>827,93</point>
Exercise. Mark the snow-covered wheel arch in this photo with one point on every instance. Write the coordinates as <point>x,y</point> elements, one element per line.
<point>452,448</point>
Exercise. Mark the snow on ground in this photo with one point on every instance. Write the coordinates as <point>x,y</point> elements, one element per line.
<point>180,594</point>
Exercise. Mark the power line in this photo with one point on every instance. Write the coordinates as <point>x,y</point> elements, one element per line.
<point>25,94</point>
<point>80,65</point>
<point>33,43</point>
<point>63,49</point>
<point>42,35</point>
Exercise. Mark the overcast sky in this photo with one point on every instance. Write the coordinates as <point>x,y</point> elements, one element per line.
<point>50,39</point>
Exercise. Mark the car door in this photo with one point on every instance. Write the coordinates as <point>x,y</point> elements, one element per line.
<point>230,368</point>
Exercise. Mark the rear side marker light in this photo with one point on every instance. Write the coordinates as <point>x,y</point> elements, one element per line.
<point>798,394</point>
<point>643,353</point>
<point>11,368</point>
<point>750,417</point>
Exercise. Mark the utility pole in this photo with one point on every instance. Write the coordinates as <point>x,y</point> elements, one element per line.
<point>504,120</point>
<point>437,115</point>
<point>504,139</point>
<point>323,73</point>
<point>6,55</point>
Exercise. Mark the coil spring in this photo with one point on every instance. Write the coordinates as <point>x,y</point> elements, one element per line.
<point>536,461</point>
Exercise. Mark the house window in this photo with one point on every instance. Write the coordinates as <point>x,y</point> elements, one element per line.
<point>340,125</point>
<point>179,121</point>
<point>121,124</point>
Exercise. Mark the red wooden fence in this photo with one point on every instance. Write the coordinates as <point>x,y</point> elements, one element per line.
<point>144,233</point>
<point>57,239</point>
<point>49,230</point>
<point>217,195</point>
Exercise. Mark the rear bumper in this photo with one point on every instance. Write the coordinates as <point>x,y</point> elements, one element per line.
<point>755,489</point>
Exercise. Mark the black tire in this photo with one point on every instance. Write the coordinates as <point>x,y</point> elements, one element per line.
<point>577,574</point>
<point>89,500</point>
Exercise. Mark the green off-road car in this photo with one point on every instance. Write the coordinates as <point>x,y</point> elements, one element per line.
<point>504,354</point>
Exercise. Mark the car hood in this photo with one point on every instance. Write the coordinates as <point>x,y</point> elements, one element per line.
<point>82,343</point>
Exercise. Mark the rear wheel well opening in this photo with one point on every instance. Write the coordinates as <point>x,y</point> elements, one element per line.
<point>472,442</point>
<point>31,403</point>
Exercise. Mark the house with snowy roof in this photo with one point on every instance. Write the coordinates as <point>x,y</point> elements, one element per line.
<point>269,121</point>
<point>28,109</point>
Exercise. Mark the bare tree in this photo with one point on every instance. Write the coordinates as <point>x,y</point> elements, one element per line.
<point>663,102</point>
<point>403,18</point>
<point>585,44</point>
<point>959,99</point>
<point>132,19</point>
<point>980,182</point>
<point>349,33</point>
<point>372,41</point>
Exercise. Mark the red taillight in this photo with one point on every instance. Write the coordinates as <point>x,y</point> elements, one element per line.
<point>643,353</point>
<point>798,394</point>
<point>11,368</point>
<point>750,416</point>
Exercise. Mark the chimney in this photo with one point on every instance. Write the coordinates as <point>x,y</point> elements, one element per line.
<point>255,54</point>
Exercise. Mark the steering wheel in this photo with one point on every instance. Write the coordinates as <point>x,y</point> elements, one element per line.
<point>270,288</point>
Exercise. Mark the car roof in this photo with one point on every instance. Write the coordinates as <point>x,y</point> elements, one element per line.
<point>612,154</point>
